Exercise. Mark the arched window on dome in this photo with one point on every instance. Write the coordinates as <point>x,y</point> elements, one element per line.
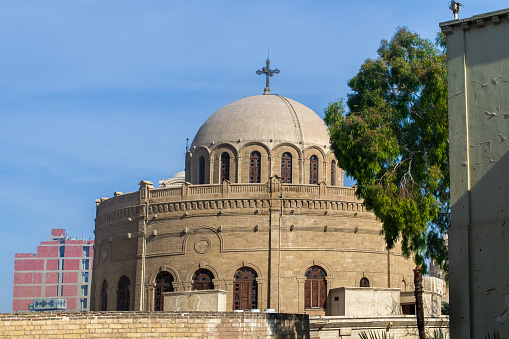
<point>313,170</point>
<point>364,282</point>
<point>201,170</point>
<point>315,288</point>
<point>255,165</point>
<point>225,166</point>
<point>104,296</point>
<point>286,168</point>
<point>123,294</point>
<point>202,280</point>
<point>245,289</point>
<point>333,173</point>
<point>164,283</point>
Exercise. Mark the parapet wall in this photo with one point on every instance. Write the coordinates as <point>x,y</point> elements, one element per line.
<point>396,327</point>
<point>225,196</point>
<point>154,325</point>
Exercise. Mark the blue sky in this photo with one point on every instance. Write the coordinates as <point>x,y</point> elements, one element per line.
<point>98,95</point>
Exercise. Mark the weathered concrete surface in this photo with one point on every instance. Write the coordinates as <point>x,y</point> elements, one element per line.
<point>365,301</point>
<point>195,301</point>
<point>478,85</point>
<point>397,327</point>
<point>432,302</point>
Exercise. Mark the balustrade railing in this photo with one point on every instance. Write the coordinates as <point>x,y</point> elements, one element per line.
<point>226,190</point>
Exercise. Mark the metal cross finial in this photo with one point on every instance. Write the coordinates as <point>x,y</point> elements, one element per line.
<point>187,144</point>
<point>268,73</point>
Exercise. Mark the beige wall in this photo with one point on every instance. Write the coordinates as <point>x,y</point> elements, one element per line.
<point>153,325</point>
<point>364,302</point>
<point>397,327</point>
<point>198,301</point>
<point>478,80</point>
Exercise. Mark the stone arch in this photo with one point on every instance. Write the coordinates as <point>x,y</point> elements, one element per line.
<point>297,159</point>
<point>323,265</point>
<point>240,264</point>
<point>216,162</point>
<point>194,173</point>
<point>194,268</point>
<point>359,276</point>
<point>125,295</point>
<point>308,151</point>
<point>330,156</point>
<point>322,164</point>
<point>244,161</point>
<point>316,287</point>
<point>165,268</point>
<point>104,295</point>
<point>193,231</point>
<point>276,151</point>
<point>245,289</point>
<point>255,143</point>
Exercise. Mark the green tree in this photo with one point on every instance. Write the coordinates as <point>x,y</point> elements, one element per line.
<point>393,141</point>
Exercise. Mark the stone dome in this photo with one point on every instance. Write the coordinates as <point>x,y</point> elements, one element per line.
<point>269,119</point>
<point>177,180</point>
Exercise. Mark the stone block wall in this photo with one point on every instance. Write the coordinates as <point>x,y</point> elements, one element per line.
<point>153,325</point>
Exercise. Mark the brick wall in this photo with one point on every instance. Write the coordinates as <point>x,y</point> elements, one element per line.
<point>153,325</point>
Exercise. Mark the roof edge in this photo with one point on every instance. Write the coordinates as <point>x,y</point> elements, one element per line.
<point>473,19</point>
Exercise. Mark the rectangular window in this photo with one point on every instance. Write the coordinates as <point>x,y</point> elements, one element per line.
<point>84,303</point>
<point>84,290</point>
<point>84,277</point>
<point>84,264</point>
<point>61,251</point>
<point>86,251</point>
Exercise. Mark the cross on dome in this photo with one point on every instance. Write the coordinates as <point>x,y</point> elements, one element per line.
<point>268,73</point>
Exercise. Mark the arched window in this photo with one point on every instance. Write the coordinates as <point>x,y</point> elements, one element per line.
<point>225,166</point>
<point>286,168</point>
<point>164,282</point>
<point>255,162</point>
<point>364,282</point>
<point>333,173</point>
<point>313,169</point>
<point>202,280</point>
<point>123,294</point>
<point>245,289</point>
<point>315,288</point>
<point>104,296</point>
<point>201,171</point>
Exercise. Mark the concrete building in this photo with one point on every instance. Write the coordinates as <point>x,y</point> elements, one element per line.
<point>61,268</point>
<point>478,85</point>
<point>260,212</point>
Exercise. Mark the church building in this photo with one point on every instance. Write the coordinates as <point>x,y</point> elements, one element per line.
<point>260,212</point>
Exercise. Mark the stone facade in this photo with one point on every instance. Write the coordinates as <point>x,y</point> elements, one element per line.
<point>231,219</point>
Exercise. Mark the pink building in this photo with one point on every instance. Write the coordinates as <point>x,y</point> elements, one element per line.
<point>61,268</point>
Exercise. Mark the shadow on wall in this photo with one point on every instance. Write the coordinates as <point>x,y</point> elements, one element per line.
<point>479,243</point>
